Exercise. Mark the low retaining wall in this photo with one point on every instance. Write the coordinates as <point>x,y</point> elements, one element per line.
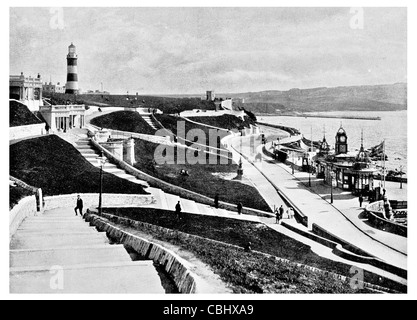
<point>375,218</point>
<point>170,188</point>
<point>25,208</point>
<point>174,265</point>
<point>361,255</point>
<point>149,228</point>
<point>328,243</point>
<point>91,200</point>
<point>30,130</point>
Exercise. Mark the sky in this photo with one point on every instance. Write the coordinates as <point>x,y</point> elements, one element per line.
<point>228,50</point>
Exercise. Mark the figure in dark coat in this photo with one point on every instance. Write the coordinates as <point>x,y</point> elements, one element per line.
<point>239,208</point>
<point>79,206</point>
<point>178,210</point>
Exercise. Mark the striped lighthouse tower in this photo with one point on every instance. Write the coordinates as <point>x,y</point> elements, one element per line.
<point>72,76</point>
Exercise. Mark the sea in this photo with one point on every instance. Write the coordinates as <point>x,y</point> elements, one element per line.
<point>392,128</point>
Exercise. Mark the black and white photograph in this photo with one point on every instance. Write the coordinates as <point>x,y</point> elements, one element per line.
<point>208,151</point>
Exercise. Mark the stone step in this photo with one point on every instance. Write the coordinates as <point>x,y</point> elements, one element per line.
<point>68,256</point>
<point>123,277</point>
<point>115,171</point>
<point>47,231</point>
<point>90,156</point>
<point>125,176</point>
<point>57,241</point>
<point>87,151</point>
<point>84,147</point>
<point>110,166</point>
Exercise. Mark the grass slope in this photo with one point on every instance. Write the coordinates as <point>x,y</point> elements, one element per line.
<point>226,121</point>
<point>166,104</point>
<point>124,120</point>
<point>201,178</point>
<point>235,266</point>
<point>20,115</point>
<point>57,167</point>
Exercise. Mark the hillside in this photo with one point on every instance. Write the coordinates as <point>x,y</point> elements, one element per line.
<point>20,115</point>
<point>57,167</point>
<point>125,121</point>
<point>358,98</point>
<point>166,104</point>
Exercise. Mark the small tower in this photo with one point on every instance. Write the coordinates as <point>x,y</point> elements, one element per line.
<point>72,74</point>
<point>341,141</point>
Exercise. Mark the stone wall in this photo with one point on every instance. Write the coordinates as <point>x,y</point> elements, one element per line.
<point>91,200</point>
<point>22,132</point>
<point>25,208</point>
<point>361,256</point>
<point>374,212</point>
<point>149,228</point>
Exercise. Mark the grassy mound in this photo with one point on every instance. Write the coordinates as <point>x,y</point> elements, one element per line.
<point>200,179</point>
<point>17,193</point>
<point>166,104</point>
<point>172,124</point>
<point>20,115</point>
<point>125,121</point>
<point>57,167</point>
<point>226,121</point>
<point>234,266</point>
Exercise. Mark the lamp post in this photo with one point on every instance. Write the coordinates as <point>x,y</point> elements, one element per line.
<point>331,184</point>
<point>102,161</point>
<point>309,170</point>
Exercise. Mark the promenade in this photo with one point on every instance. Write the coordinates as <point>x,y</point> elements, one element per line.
<point>318,210</point>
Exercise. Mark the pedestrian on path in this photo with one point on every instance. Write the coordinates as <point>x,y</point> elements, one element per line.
<point>79,206</point>
<point>277,215</point>
<point>281,212</point>
<point>360,200</point>
<point>216,201</point>
<point>290,213</point>
<point>239,208</point>
<point>178,210</point>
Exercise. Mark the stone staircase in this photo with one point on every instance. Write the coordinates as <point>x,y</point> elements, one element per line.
<point>59,252</point>
<point>150,121</point>
<point>88,151</point>
<point>165,201</point>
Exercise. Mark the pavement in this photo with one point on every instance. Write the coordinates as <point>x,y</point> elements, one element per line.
<point>59,252</point>
<point>319,210</point>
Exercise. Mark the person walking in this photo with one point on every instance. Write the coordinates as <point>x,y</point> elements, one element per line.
<point>290,213</point>
<point>239,208</point>
<point>360,200</point>
<point>178,210</point>
<point>281,212</point>
<point>216,201</point>
<point>277,215</point>
<point>79,206</point>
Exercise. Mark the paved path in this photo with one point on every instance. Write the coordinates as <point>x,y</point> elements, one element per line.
<point>59,252</point>
<point>319,211</point>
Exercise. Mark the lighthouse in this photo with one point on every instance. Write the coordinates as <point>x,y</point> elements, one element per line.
<point>72,75</point>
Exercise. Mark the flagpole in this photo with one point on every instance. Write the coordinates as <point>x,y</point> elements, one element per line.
<point>384,164</point>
